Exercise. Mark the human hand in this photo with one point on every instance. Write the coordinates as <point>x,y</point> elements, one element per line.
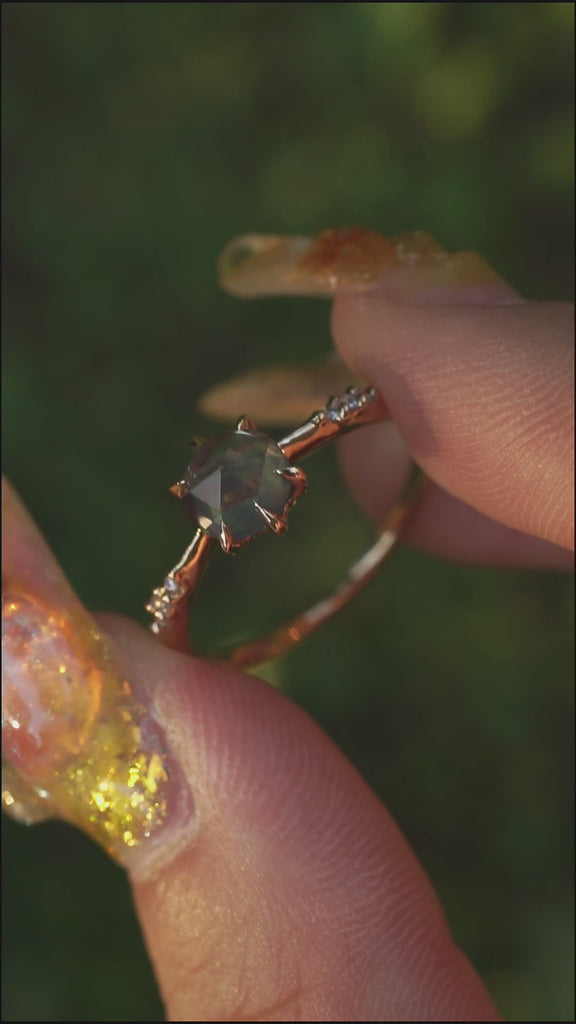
<point>276,886</point>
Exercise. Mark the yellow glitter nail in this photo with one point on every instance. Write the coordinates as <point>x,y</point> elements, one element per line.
<point>78,743</point>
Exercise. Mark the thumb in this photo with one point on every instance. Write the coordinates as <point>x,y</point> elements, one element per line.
<point>270,882</point>
<point>297,898</point>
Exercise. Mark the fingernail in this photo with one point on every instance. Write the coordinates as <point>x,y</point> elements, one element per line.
<point>409,268</point>
<point>279,395</point>
<point>80,739</point>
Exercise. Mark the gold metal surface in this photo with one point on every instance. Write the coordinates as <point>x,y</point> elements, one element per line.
<point>170,602</point>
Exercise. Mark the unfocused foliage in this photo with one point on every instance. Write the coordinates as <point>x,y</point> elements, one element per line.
<point>137,139</point>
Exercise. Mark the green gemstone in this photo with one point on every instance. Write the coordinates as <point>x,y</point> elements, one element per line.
<point>228,476</point>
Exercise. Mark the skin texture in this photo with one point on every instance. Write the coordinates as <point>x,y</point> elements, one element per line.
<point>483,397</point>
<point>289,893</point>
<point>366,940</point>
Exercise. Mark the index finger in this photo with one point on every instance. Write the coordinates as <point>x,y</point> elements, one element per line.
<point>483,396</point>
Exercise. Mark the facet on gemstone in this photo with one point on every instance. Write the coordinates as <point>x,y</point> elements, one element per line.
<point>228,479</point>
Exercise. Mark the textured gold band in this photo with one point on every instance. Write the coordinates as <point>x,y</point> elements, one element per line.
<point>169,604</point>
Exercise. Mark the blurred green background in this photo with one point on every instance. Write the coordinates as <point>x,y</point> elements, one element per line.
<point>137,139</point>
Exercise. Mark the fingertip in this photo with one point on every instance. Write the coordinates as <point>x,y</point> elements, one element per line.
<point>483,396</point>
<point>295,873</point>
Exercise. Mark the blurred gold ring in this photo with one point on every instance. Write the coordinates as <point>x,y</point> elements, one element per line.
<point>243,484</point>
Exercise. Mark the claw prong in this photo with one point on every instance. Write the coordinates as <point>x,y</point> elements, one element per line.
<point>226,542</point>
<point>246,425</point>
<point>277,524</point>
<point>297,478</point>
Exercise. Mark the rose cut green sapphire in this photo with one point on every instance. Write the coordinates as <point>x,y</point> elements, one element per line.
<point>229,477</point>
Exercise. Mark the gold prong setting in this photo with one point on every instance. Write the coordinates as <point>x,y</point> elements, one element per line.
<point>278,524</point>
<point>243,484</point>
<point>237,487</point>
<point>226,539</point>
<point>245,425</point>
<point>298,480</point>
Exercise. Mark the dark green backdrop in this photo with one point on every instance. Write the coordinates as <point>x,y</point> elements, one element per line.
<point>137,139</point>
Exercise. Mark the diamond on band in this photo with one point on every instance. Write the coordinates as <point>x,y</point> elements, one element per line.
<point>243,484</point>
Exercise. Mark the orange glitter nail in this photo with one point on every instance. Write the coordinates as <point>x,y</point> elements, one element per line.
<point>78,742</point>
